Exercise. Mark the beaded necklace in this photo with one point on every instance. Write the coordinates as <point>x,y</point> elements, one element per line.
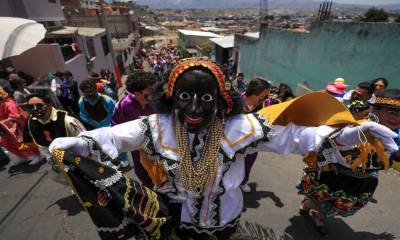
<point>196,175</point>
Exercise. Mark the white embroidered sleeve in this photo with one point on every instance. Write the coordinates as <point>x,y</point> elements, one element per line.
<point>124,137</point>
<point>295,139</point>
<point>73,126</point>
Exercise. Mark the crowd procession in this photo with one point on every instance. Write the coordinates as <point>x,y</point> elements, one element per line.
<point>193,136</point>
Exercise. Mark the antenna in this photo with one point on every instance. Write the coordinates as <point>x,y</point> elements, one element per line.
<point>263,13</point>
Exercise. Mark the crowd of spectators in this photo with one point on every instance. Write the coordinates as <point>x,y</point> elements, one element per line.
<point>95,105</point>
<point>23,96</point>
<point>161,58</point>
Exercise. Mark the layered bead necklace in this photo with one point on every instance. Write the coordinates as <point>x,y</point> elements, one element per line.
<point>196,175</point>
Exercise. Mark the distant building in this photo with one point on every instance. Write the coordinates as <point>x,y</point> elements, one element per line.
<point>174,25</point>
<point>149,30</point>
<point>191,39</point>
<point>125,51</point>
<point>221,31</point>
<point>47,12</point>
<point>122,18</point>
<point>77,49</point>
<point>90,4</point>
<point>223,47</point>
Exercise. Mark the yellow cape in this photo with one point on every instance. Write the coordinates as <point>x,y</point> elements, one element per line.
<point>313,109</point>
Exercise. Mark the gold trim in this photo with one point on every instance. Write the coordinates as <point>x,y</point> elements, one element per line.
<point>159,138</point>
<point>77,160</point>
<point>252,133</point>
<point>127,204</point>
<point>387,101</point>
<point>58,156</point>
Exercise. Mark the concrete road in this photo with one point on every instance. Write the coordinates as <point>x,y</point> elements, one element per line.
<point>33,206</point>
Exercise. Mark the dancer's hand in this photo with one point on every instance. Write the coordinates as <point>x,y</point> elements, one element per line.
<point>352,135</point>
<point>75,144</point>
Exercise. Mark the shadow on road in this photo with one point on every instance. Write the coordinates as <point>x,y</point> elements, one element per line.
<point>255,231</point>
<point>252,198</point>
<point>301,228</point>
<point>3,163</point>
<point>70,204</point>
<point>24,168</point>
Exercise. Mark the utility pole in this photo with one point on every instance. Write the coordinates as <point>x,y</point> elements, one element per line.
<point>105,25</point>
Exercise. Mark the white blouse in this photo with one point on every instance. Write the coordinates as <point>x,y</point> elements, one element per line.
<point>221,201</point>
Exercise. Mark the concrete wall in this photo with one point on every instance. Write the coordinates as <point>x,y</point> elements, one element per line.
<point>101,61</point>
<point>6,9</point>
<point>193,41</point>
<point>77,66</point>
<point>38,61</point>
<point>355,51</point>
<point>45,58</point>
<point>43,10</point>
<point>38,10</point>
<point>118,25</point>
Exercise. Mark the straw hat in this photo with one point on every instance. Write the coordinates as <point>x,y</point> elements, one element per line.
<point>313,109</point>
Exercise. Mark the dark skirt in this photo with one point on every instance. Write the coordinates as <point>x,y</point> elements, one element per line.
<point>122,208</point>
<point>337,193</point>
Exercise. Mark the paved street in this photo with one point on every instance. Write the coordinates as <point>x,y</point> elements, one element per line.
<point>33,206</point>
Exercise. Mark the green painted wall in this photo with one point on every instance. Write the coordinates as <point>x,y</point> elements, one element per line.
<point>355,51</point>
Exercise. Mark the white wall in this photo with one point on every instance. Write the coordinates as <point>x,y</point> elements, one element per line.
<point>77,66</point>
<point>38,61</point>
<point>101,61</point>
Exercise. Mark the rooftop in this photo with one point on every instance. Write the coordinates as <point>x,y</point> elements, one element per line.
<point>214,29</point>
<point>224,42</point>
<point>198,33</point>
<point>229,41</point>
<point>253,34</point>
<point>83,31</point>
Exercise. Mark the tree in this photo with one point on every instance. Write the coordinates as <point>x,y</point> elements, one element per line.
<point>206,47</point>
<point>375,15</point>
<point>397,19</point>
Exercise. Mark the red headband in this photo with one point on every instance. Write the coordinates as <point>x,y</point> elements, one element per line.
<point>190,63</point>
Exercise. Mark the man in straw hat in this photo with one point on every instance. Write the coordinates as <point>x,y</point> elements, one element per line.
<point>386,108</point>
<point>195,147</point>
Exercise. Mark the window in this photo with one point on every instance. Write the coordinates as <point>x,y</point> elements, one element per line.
<point>126,55</point>
<point>90,45</point>
<point>104,42</point>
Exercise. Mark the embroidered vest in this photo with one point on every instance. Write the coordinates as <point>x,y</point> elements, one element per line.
<point>44,134</point>
<point>98,111</point>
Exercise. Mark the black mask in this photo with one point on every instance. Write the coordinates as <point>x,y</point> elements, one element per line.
<point>196,98</point>
<point>37,110</point>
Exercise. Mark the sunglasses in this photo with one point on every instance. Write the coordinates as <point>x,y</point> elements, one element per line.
<point>35,107</point>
